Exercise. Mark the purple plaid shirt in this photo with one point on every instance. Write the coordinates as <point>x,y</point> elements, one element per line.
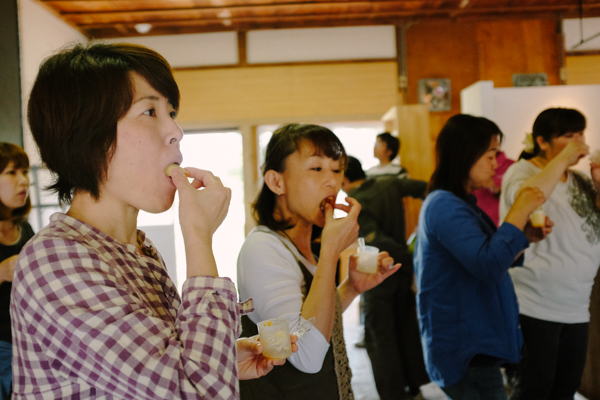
<point>93,318</point>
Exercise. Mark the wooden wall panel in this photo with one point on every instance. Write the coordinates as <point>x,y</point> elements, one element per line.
<point>288,93</point>
<point>467,52</point>
<point>441,49</point>
<point>522,46</point>
<point>583,70</point>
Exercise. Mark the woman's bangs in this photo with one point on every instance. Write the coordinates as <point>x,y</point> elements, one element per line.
<point>327,144</point>
<point>15,154</point>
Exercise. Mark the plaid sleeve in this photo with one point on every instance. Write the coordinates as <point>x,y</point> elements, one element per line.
<point>79,322</point>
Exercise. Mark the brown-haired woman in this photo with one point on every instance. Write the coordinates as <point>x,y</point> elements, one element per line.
<point>304,165</point>
<point>14,233</point>
<point>95,314</point>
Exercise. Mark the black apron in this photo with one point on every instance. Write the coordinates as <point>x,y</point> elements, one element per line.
<point>286,382</point>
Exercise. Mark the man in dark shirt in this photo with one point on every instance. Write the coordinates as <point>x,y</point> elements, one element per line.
<point>391,328</point>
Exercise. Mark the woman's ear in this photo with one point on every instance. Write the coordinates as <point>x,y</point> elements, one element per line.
<point>274,181</point>
<point>542,144</point>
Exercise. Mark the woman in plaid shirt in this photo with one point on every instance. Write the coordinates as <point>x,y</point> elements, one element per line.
<point>95,314</point>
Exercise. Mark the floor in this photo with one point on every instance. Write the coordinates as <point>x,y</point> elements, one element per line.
<point>363,383</point>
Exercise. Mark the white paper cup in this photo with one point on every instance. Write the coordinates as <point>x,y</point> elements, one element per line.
<point>275,338</point>
<point>538,219</point>
<point>367,259</point>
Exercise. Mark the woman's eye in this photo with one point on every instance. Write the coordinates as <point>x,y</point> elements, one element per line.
<point>151,112</point>
<point>316,168</point>
<point>337,171</point>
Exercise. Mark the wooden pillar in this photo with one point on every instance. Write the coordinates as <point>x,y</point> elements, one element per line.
<point>11,125</point>
<point>411,124</point>
<point>251,171</point>
<point>402,67</point>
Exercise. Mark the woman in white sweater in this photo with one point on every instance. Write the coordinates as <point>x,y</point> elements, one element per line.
<point>304,166</point>
<point>555,283</point>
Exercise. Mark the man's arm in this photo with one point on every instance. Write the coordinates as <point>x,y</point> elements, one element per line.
<point>412,188</point>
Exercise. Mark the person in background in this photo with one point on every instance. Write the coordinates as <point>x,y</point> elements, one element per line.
<point>94,312</point>
<point>303,170</point>
<point>386,149</point>
<point>488,199</point>
<point>468,312</point>
<point>391,328</point>
<point>14,233</point>
<point>555,283</point>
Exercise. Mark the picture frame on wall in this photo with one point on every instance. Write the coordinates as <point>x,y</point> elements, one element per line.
<point>435,92</point>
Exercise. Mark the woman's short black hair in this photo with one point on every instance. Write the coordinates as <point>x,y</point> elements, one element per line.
<point>286,140</point>
<point>461,142</point>
<point>77,99</point>
<point>12,153</point>
<point>556,122</point>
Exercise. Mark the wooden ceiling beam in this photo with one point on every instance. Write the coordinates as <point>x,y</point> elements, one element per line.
<point>117,18</point>
<point>103,31</point>
<point>92,6</point>
<point>248,11</point>
<point>397,8</point>
<point>204,26</point>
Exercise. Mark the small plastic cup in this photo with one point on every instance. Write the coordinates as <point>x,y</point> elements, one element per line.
<point>367,259</point>
<point>275,338</point>
<point>538,218</point>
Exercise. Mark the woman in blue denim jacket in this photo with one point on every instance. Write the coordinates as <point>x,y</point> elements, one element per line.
<point>468,310</point>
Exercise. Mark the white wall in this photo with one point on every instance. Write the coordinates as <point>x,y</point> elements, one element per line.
<point>477,99</point>
<point>273,46</point>
<point>191,50</point>
<point>321,44</point>
<point>41,35</point>
<point>573,33</point>
<point>515,109</point>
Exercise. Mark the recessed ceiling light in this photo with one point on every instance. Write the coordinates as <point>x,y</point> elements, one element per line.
<point>463,3</point>
<point>143,28</point>
<point>227,22</point>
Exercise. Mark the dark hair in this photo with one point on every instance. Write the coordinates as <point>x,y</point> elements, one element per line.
<point>461,142</point>
<point>525,155</point>
<point>354,171</point>
<point>392,143</point>
<point>77,99</point>
<point>556,122</point>
<point>286,140</point>
<point>12,153</point>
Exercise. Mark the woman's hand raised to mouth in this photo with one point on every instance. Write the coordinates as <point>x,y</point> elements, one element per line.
<point>201,212</point>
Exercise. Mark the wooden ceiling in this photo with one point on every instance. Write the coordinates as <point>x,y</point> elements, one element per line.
<point>118,18</point>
